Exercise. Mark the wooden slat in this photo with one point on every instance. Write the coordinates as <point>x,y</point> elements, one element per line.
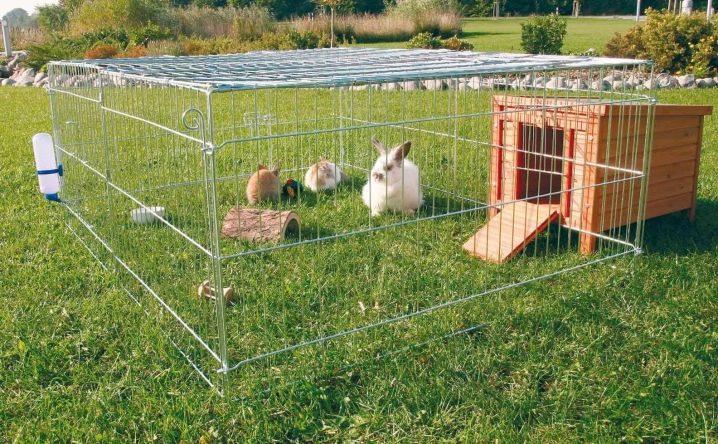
<point>683,110</point>
<point>510,231</point>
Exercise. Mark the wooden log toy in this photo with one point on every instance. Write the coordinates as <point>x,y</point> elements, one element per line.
<point>257,225</point>
<point>205,291</point>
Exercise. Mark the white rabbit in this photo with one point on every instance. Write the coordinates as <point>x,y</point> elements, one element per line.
<point>393,181</point>
<point>324,176</point>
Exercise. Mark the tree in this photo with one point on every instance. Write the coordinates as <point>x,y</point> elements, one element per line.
<point>52,18</point>
<point>19,18</point>
<point>71,5</point>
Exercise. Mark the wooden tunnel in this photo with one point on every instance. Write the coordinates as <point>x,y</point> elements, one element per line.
<point>583,162</point>
<point>257,225</point>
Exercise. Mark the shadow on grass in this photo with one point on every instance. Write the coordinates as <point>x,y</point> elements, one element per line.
<point>469,34</point>
<point>675,234</point>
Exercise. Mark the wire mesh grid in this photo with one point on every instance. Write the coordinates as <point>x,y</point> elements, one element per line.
<point>528,167</point>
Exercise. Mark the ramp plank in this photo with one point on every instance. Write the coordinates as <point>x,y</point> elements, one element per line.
<point>510,231</point>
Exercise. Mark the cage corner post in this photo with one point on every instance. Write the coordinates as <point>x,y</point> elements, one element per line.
<point>643,193</point>
<point>210,179</point>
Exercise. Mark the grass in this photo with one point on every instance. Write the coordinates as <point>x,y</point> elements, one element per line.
<point>608,353</point>
<point>625,350</point>
<point>505,34</point>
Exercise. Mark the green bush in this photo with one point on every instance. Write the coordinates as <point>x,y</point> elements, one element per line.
<point>40,55</point>
<point>52,18</point>
<point>675,43</point>
<point>424,40</point>
<point>543,34</point>
<point>94,15</point>
<point>456,44</point>
<point>148,33</point>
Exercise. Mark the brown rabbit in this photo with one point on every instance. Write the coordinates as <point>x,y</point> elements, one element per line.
<point>263,185</point>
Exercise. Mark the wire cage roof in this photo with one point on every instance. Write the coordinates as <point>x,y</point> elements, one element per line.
<point>337,66</point>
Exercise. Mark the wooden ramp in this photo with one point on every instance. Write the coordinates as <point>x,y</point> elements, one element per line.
<point>510,231</point>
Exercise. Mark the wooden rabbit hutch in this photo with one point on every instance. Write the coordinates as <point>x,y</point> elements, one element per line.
<point>581,163</point>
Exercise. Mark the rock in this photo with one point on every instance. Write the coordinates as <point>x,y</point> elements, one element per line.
<point>391,86</point>
<point>666,81</point>
<point>39,76</point>
<point>42,82</point>
<point>613,77</point>
<point>687,81</point>
<point>454,84</point>
<point>600,85</point>
<point>4,72</point>
<point>412,85</point>
<point>516,84</point>
<point>539,82</point>
<point>20,56</point>
<point>25,78</point>
<point>579,85</point>
<point>434,84</point>
<point>556,83</point>
<point>618,85</point>
<point>634,80</point>
<point>28,73</point>
<point>473,83</point>
<point>706,83</point>
<point>7,82</point>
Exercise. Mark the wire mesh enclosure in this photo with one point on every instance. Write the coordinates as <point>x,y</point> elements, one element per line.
<point>422,181</point>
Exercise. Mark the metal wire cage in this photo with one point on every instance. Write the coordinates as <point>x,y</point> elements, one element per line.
<point>547,153</point>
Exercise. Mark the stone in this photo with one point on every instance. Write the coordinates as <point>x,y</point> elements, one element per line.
<point>7,82</point>
<point>634,80</point>
<point>706,83</point>
<point>556,83</point>
<point>25,78</point>
<point>661,81</point>
<point>687,81</point>
<point>391,86</point>
<point>453,84</point>
<point>474,83</point>
<point>618,85</point>
<point>434,84</point>
<point>39,76</point>
<point>412,85</point>
<point>666,81</point>
<point>20,56</point>
<point>4,72</point>
<point>28,73</point>
<point>614,76</point>
<point>600,85</point>
<point>539,82</point>
<point>579,85</point>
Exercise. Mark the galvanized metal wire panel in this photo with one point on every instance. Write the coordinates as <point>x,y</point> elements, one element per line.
<point>528,139</point>
<point>338,66</point>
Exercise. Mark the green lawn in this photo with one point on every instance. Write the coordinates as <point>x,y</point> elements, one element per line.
<point>624,351</point>
<point>505,34</point>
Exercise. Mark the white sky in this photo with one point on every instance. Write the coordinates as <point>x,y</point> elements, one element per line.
<point>27,5</point>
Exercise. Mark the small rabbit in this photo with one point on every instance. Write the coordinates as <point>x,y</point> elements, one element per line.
<point>263,185</point>
<point>324,176</point>
<point>393,181</point>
